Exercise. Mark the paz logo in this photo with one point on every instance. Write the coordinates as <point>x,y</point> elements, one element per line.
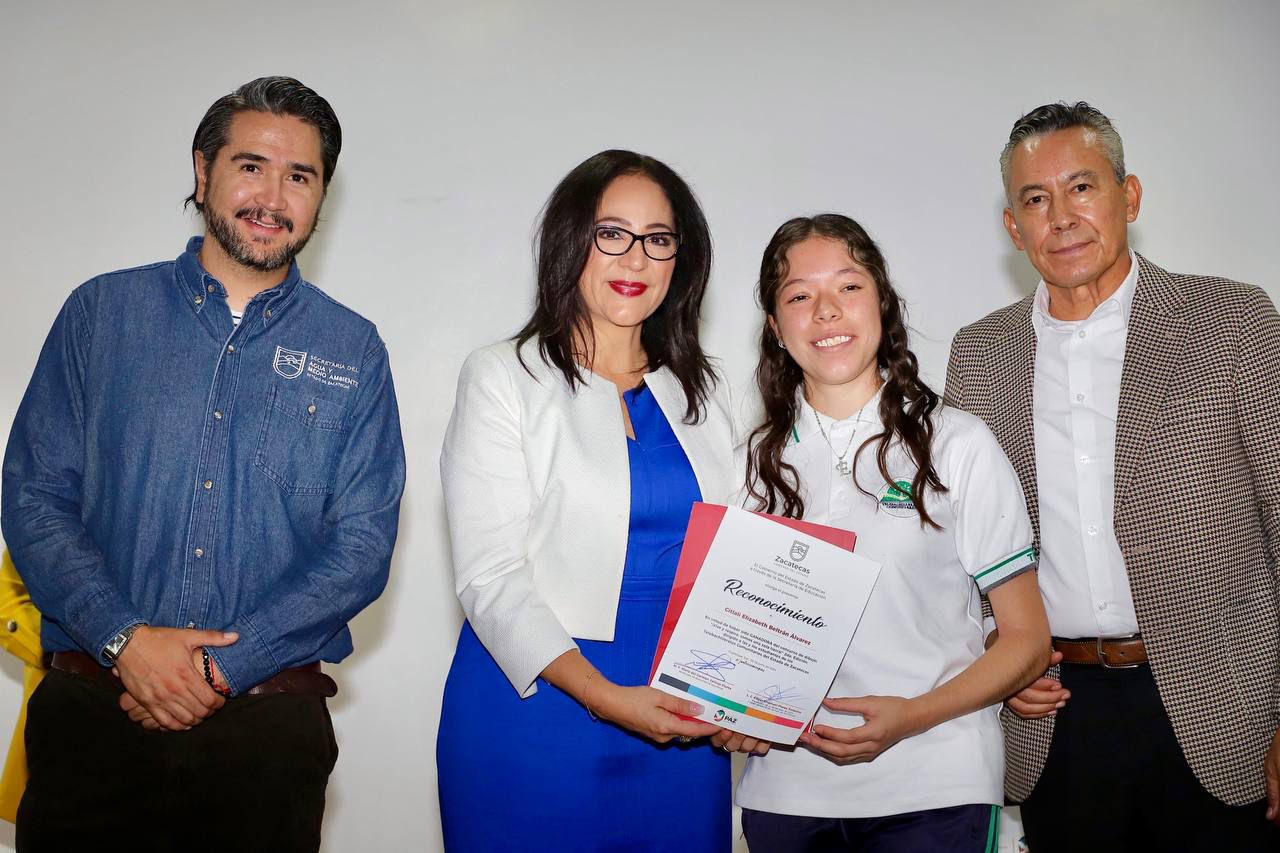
<point>289,363</point>
<point>799,550</point>
<point>896,500</point>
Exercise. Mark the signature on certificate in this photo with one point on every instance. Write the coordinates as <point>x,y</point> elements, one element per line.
<point>777,693</point>
<point>711,664</point>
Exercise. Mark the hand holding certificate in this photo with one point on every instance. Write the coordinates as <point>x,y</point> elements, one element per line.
<point>761,614</point>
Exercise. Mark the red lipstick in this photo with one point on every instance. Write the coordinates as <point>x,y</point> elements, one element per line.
<point>628,288</point>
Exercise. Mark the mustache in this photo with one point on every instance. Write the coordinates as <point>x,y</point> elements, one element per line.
<point>264,215</point>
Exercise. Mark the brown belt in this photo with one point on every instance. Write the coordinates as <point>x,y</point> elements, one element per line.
<point>306,679</point>
<point>1115,653</point>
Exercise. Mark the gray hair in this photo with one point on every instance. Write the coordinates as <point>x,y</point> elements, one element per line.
<point>1063,116</point>
<point>282,96</point>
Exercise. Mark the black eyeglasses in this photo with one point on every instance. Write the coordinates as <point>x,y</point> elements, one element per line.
<point>658,245</point>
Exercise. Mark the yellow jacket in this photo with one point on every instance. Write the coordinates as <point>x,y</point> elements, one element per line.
<point>20,635</point>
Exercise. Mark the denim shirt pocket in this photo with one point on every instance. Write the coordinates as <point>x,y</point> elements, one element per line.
<point>302,434</point>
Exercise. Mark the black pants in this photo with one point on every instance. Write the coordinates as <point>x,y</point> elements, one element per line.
<point>1116,779</point>
<point>957,829</point>
<point>251,777</point>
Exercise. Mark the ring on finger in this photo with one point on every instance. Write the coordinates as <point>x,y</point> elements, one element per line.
<point>684,738</point>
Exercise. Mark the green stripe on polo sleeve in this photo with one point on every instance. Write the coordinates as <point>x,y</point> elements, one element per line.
<point>1005,568</point>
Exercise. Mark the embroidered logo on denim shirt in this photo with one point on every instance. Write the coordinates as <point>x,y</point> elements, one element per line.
<point>289,363</point>
<point>334,374</point>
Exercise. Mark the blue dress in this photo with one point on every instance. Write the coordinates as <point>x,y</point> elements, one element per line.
<point>539,774</point>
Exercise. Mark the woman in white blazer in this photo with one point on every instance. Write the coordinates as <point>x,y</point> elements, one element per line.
<point>569,467</point>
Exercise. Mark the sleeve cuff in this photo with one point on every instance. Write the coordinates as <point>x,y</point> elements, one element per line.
<point>245,663</point>
<point>1006,568</point>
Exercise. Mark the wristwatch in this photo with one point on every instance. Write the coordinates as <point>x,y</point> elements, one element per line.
<point>117,643</point>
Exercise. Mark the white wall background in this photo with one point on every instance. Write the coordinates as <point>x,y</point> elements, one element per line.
<point>460,117</point>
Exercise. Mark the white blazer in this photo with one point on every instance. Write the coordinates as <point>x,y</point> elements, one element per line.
<point>537,490</point>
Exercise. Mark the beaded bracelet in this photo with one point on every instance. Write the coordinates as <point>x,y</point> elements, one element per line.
<point>208,674</point>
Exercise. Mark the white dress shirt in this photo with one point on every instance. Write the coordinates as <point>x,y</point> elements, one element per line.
<point>923,623</point>
<point>1076,397</point>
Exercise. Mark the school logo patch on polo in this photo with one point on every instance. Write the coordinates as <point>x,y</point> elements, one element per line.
<point>896,500</point>
<point>289,363</point>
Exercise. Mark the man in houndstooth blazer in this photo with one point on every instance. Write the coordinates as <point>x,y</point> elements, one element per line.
<point>1161,738</point>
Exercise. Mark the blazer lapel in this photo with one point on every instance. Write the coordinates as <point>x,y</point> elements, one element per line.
<point>708,445</point>
<point>1154,343</point>
<point>1014,384</point>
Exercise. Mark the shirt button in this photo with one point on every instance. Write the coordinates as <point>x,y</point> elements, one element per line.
<point>1092,529</point>
<point>1084,460</point>
<point>1082,333</point>
<point>199,552</point>
<point>217,414</point>
<point>191,624</point>
<point>208,484</point>
<point>209,288</point>
<point>1079,398</point>
<point>267,313</point>
<point>1102,605</point>
<point>199,299</point>
<point>11,625</point>
<point>231,347</point>
<point>311,410</point>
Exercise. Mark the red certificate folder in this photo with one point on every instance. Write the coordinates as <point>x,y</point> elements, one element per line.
<point>704,521</point>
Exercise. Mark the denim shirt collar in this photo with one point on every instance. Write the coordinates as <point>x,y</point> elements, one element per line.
<point>197,284</point>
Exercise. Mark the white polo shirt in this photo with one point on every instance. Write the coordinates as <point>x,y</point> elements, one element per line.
<point>922,625</point>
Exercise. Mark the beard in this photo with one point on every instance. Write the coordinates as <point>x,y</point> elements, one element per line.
<point>241,250</point>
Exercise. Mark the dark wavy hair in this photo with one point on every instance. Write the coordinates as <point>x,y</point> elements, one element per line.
<point>906,402</point>
<point>282,96</point>
<point>565,241</point>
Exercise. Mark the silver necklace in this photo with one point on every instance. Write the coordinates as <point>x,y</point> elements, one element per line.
<point>842,465</point>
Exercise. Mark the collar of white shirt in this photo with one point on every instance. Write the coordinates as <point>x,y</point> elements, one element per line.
<point>1121,300</point>
<point>807,418</point>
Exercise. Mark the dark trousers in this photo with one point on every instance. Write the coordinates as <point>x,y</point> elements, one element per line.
<point>1116,779</point>
<point>958,829</point>
<point>251,777</point>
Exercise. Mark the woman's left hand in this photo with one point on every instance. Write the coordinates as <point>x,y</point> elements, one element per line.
<point>887,720</point>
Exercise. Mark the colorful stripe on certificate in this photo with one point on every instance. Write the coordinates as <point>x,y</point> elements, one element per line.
<point>694,690</point>
<point>1005,568</point>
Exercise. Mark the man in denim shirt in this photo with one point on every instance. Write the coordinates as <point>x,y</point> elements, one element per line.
<point>201,489</point>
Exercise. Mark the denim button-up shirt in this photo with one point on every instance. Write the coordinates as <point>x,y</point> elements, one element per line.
<point>168,468</point>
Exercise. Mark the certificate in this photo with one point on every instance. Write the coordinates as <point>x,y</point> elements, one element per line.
<point>761,614</point>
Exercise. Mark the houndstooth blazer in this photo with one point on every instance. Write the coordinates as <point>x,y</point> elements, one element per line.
<point>1197,507</point>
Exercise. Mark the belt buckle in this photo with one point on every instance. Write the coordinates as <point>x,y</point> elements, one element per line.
<point>1102,655</point>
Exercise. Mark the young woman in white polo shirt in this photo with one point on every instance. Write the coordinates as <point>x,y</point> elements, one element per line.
<point>906,754</point>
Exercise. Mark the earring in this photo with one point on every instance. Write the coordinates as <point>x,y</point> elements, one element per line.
<point>781,345</point>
